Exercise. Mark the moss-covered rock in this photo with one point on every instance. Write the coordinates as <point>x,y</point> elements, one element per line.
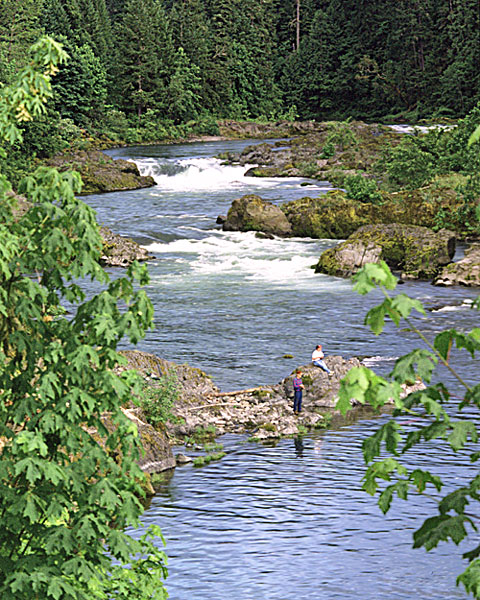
<point>332,216</point>
<point>417,251</point>
<point>305,153</point>
<point>251,213</point>
<point>336,216</point>
<point>100,173</point>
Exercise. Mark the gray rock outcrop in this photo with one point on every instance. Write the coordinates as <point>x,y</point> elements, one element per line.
<point>157,455</point>
<point>118,251</point>
<point>465,272</point>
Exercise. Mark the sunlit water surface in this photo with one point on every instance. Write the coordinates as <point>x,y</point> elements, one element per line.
<point>290,521</point>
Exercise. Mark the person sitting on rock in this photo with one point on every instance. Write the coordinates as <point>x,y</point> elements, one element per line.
<point>317,359</point>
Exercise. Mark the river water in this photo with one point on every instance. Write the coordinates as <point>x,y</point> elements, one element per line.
<point>287,521</point>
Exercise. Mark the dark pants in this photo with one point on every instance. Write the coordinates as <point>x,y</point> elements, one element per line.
<point>297,400</point>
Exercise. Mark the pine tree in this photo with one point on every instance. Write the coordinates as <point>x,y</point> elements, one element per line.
<point>145,56</point>
<point>460,83</point>
<point>191,32</point>
<point>19,28</point>
<point>244,37</point>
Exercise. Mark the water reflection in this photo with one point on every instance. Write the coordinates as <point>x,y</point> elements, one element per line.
<point>298,443</point>
<point>269,523</point>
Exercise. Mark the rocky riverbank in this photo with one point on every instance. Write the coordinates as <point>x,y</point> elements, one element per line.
<point>264,412</point>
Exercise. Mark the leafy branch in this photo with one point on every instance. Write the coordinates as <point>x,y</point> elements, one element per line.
<point>432,404</point>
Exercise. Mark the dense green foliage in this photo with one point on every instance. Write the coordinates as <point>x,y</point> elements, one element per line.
<point>438,419</point>
<point>158,398</point>
<point>69,481</point>
<point>190,59</point>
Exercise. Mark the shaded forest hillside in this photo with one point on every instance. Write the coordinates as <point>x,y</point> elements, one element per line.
<point>182,60</point>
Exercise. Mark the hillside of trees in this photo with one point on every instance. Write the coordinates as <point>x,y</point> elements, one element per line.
<point>183,60</point>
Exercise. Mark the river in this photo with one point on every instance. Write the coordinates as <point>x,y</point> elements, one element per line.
<point>286,521</point>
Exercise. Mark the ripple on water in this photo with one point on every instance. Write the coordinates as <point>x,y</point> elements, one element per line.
<point>291,521</point>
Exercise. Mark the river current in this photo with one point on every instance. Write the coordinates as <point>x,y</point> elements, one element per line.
<point>288,521</point>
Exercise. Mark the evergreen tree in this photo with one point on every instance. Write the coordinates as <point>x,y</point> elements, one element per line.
<point>82,22</point>
<point>181,102</point>
<point>145,55</point>
<point>191,32</point>
<point>244,55</point>
<point>80,88</point>
<point>19,28</point>
<point>460,82</point>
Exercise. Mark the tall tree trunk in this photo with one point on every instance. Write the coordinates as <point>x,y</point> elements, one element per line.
<point>298,24</point>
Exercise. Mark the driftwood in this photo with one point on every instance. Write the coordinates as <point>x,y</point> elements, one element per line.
<point>238,392</point>
<point>213,404</point>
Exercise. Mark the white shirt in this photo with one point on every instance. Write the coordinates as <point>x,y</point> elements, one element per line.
<point>317,355</point>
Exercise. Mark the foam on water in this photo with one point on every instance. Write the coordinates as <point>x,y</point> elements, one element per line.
<point>371,361</point>
<point>421,128</point>
<point>190,174</point>
<point>203,174</point>
<point>277,261</point>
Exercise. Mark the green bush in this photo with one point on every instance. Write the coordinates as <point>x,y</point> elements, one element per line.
<point>158,399</point>
<point>207,126</point>
<point>115,121</point>
<point>408,165</point>
<point>328,150</point>
<point>362,189</point>
<point>341,135</point>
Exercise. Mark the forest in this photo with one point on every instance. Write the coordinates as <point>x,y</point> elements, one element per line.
<point>140,68</point>
<point>130,71</point>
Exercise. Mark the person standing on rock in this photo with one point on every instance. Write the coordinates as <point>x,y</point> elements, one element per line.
<point>317,359</point>
<point>297,392</point>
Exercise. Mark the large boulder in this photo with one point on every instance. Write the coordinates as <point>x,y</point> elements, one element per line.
<point>335,216</point>
<point>100,173</point>
<point>157,455</point>
<point>347,258</point>
<point>258,154</point>
<point>464,272</point>
<point>251,213</point>
<point>417,251</point>
<point>321,389</point>
<point>331,216</point>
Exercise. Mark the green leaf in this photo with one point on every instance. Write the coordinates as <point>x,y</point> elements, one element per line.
<point>456,500</point>
<point>460,432</point>
<point>373,275</point>
<point>470,578</point>
<point>386,497</point>
<point>375,317</point>
<point>420,478</point>
<point>440,528</point>
<point>474,137</point>
<point>418,363</point>
<point>404,305</point>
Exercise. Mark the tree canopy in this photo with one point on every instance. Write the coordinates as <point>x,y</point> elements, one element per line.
<point>328,58</point>
<point>69,481</point>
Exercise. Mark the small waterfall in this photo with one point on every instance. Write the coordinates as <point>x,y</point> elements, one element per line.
<point>192,173</point>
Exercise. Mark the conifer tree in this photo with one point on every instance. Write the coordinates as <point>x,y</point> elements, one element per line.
<point>19,28</point>
<point>145,54</point>
<point>191,32</point>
